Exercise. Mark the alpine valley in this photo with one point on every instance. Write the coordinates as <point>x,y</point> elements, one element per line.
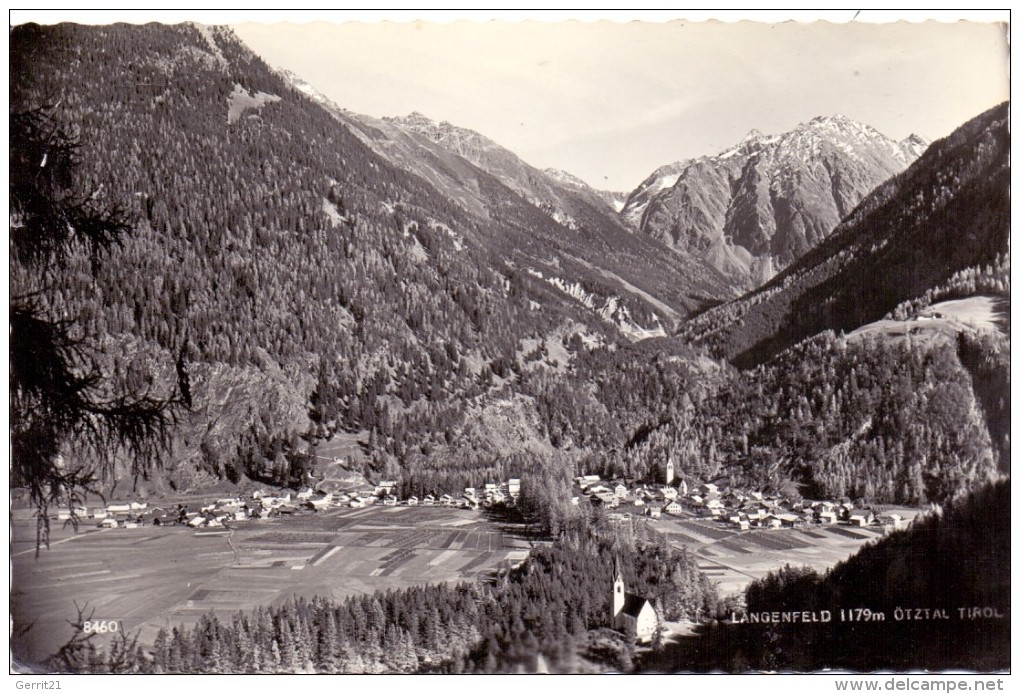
<point>820,314</point>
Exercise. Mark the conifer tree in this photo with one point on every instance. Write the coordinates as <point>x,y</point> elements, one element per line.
<point>58,392</point>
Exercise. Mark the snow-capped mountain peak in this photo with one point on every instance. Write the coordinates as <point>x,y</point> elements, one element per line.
<point>764,202</point>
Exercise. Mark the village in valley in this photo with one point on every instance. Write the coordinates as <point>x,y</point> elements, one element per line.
<point>673,497</point>
<point>342,534</point>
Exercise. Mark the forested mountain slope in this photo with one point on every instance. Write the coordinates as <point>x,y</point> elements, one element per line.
<point>313,285</point>
<point>948,212</point>
<point>583,227</point>
<point>493,183</point>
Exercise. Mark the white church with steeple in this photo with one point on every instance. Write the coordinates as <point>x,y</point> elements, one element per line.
<point>632,614</point>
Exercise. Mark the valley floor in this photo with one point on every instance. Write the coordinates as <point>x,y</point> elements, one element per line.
<point>734,558</point>
<point>149,577</point>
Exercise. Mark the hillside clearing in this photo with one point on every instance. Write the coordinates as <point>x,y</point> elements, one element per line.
<point>944,319</point>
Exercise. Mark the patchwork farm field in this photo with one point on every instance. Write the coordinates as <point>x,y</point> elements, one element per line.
<point>734,558</point>
<point>153,577</point>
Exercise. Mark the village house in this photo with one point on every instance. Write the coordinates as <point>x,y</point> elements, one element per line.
<point>78,511</point>
<point>513,487</point>
<point>826,517</point>
<point>733,497</point>
<point>754,511</point>
<point>861,518</point>
<point>669,492</point>
<point>654,511</point>
<point>620,491</point>
<point>741,521</point>
<point>652,495</point>
<point>713,502</point>
<point>672,508</point>
<point>605,498</point>
<point>275,501</point>
<point>708,488</point>
<point>789,520</point>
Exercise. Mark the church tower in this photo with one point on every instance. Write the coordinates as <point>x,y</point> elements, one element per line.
<point>670,472</point>
<point>619,593</point>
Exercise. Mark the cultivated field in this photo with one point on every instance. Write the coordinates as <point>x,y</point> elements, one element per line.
<point>153,577</point>
<point>734,558</point>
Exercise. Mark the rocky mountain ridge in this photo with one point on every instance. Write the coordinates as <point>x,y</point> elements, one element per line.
<point>949,211</point>
<point>754,208</point>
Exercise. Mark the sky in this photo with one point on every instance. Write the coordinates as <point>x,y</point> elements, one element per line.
<point>610,101</point>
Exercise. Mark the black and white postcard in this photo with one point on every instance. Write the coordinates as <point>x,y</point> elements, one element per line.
<point>365,343</point>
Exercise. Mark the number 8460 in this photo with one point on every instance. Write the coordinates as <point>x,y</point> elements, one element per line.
<point>100,626</point>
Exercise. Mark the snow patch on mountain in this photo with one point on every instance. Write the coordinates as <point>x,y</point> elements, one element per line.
<point>663,178</point>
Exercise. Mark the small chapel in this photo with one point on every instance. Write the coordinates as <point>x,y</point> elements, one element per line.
<point>632,614</point>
